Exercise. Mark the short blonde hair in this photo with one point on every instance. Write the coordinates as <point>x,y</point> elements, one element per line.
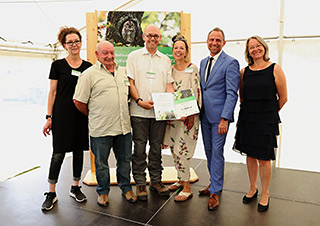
<point>263,43</point>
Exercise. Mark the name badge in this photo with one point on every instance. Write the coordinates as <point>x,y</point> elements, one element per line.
<point>126,82</point>
<point>188,70</point>
<point>75,73</point>
<point>151,75</point>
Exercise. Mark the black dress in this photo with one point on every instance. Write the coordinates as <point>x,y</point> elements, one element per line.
<point>258,122</point>
<point>69,125</point>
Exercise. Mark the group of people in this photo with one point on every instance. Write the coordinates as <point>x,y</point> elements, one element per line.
<point>85,98</point>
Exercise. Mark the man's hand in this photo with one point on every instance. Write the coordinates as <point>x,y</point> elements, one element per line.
<point>146,104</point>
<point>223,127</point>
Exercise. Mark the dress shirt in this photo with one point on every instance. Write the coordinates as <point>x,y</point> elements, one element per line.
<point>107,99</point>
<point>151,74</point>
<point>212,64</point>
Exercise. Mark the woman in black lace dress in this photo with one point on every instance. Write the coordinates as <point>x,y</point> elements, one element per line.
<point>263,92</point>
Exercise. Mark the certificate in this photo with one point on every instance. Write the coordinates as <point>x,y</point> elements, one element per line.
<point>171,106</point>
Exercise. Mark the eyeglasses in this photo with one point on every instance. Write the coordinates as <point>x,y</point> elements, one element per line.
<point>149,36</point>
<point>75,42</point>
<point>253,47</point>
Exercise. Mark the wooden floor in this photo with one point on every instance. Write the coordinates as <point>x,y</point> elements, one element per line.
<point>294,201</point>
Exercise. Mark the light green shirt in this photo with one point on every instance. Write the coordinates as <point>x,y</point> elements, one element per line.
<point>107,99</point>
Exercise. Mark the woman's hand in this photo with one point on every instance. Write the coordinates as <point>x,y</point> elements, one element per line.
<point>47,127</point>
<point>189,122</point>
<point>182,119</point>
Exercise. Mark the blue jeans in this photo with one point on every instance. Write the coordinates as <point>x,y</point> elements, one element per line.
<point>122,148</point>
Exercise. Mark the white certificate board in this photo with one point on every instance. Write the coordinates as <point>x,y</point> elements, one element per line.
<point>171,106</point>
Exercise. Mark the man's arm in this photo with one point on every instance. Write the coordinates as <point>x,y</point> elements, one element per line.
<point>146,104</point>
<point>232,86</point>
<point>81,107</point>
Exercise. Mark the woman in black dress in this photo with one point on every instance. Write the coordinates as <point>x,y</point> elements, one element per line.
<point>263,92</point>
<point>69,126</point>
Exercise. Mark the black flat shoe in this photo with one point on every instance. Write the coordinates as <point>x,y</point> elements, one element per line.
<point>247,200</point>
<point>262,208</point>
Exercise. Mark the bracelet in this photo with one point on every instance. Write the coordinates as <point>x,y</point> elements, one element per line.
<point>137,100</point>
<point>48,116</point>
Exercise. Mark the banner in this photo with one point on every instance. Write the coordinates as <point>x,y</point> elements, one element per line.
<point>124,29</point>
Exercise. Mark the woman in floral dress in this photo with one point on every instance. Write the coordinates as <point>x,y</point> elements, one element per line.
<point>181,135</point>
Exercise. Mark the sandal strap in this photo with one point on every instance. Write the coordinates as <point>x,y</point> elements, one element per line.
<point>177,184</point>
<point>187,194</point>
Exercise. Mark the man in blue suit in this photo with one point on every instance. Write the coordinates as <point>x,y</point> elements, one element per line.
<point>220,77</point>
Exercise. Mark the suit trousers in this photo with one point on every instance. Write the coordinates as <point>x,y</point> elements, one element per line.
<point>214,149</point>
<point>144,130</point>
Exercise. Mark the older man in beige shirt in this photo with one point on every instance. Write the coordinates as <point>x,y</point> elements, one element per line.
<point>102,94</point>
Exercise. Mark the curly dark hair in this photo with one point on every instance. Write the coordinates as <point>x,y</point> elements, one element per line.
<point>64,31</point>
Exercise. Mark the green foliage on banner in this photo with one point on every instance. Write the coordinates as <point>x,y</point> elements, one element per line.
<point>121,54</point>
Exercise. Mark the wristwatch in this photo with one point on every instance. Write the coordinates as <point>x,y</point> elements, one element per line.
<point>137,100</point>
<point>225,119</point>
<point>48,116</point>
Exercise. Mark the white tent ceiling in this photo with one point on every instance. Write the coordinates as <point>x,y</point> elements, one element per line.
<point>38,21</point>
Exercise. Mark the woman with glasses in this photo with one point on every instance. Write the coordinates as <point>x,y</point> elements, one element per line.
<point>181,135</point>
<point>69,126</point>
<point>263,92</point>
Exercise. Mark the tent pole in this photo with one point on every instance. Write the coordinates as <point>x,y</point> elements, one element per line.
<point>281,28</point>
<point>280,56</point>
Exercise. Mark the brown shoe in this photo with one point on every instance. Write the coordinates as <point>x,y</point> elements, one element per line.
<point>213,202</point>
<point>205,191</point>
<point>103,200</point>
<point>130,196</point>
<point>160,188</point>
<point>142,193</point>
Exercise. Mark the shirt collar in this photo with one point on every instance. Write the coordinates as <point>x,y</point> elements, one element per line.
<point>145,52</point>
<point>100,65</point>
<point>216,56</point>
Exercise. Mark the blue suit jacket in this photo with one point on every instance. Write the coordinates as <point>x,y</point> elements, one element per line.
<point>220,92</point>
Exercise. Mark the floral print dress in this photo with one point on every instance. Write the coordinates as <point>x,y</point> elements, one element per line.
<point>181,141</point>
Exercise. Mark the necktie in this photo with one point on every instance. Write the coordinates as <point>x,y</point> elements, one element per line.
<point>209,68</point>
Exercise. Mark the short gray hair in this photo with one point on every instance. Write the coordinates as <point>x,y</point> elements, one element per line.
<point>100,43</point>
